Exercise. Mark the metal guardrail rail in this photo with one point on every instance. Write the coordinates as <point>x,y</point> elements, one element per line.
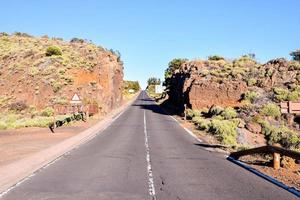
<point>275,150</point>
<point>74,117</point>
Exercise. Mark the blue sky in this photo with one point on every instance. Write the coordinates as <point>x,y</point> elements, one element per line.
<point>151,33</point>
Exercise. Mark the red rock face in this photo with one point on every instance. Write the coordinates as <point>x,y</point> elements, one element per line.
<point>189,87</point>
<point>95,74</point>
<point>204,94</point>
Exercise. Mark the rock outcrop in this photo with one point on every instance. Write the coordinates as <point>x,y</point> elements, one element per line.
<point>202,83</point>
<point>29,76</point>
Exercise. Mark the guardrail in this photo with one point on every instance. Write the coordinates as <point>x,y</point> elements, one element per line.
<point>74,117</point>
<point>275,150</point>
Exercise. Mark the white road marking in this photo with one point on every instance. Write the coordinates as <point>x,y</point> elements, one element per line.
<point>187,130</point>
<point>60,157</point>
<point>149,168</point>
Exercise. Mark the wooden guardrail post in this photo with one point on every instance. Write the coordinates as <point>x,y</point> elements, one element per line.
<point>276,158</point>
<point>184,111</point>
<point>276,150</point>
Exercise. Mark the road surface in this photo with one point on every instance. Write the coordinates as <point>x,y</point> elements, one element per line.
<point>144,154</point>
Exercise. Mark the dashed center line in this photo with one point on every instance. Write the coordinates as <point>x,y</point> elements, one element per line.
<point>149,168</point>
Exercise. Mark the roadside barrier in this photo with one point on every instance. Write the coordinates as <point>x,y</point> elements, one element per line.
<point>275,150</point>
<point>75,117</point>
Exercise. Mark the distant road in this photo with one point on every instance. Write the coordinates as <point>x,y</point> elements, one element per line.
<point>145,154</point>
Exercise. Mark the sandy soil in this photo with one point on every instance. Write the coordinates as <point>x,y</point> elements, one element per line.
<point>290,177</point>
<point>20,143</point>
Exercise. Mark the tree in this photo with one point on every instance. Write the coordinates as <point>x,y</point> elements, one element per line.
<point>215,57</point>
<point>154,81</point>
<point>295,55</point>
<point>132,85</point>
<point>172,66</point>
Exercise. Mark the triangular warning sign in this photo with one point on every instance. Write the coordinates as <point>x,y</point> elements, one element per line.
<point>75,97</point>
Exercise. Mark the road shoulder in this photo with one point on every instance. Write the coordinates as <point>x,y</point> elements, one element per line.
<point>16,172</point>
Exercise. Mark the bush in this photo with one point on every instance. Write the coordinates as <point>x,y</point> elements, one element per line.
<point>192,113</point>
<point>294,65</point>
<point>225,130</point>
<point>251,96</point>
<point>216,58</point>
<point>47,112</point>
<point>18,106</point>
<point>3,125</point>
<point>295,55</point>
<point>281,94</point>
<point>215,110</point>
<point>251,81</point>
<point>271,110</point>
<point>53,51</point>
<point>56,86</point>
<point>229,113</point>
<point>201,123</point>
<point>283,135</point>
<point>33,71</point>
<point>77,40</point>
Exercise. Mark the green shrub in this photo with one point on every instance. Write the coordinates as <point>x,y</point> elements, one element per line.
<point>33,71</point>
<point>47,112</point>
<point>298,77</point>
<point>4,100</point>
<point>215,110</point>
<point>251,81</point>
<point>53,51</point>
<point>244,61</point>
<point>296,55</point>
<point>225,130</point>
<point>35,122</point>
<point>216,57</point>
<point>271,110</point>
<point>3,125</point>
<point>282,135</point>
<point>32,110</point>
<point>229,113</point>
<point>281,94</point>
<point>56,86</point>
<point>251,96</point>
<point>294,65</point>
<point>201,123</point>
<point>68,79</point>
<point>192,113</point>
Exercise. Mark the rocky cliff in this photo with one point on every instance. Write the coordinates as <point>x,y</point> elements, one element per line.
<point>203,83</point>
<point>237,101</point>
<point>41,72</point>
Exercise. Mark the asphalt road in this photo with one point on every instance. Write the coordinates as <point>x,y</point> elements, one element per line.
<point>145,154</point>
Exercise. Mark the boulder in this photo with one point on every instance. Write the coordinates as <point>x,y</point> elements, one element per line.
<point>253,127</point>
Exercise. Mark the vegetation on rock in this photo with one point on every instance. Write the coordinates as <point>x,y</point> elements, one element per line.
<point>39,72</point>
<point>237,92</point>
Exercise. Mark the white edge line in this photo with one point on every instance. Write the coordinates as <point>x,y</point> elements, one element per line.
<point>268,178</point>
<point>84,140</point>
<point>149,168</point>
<point>186,129</point>
<point>264,176</point>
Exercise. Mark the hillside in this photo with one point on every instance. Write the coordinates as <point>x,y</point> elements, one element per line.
<point>38,73</point>
<point>237,101</point>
